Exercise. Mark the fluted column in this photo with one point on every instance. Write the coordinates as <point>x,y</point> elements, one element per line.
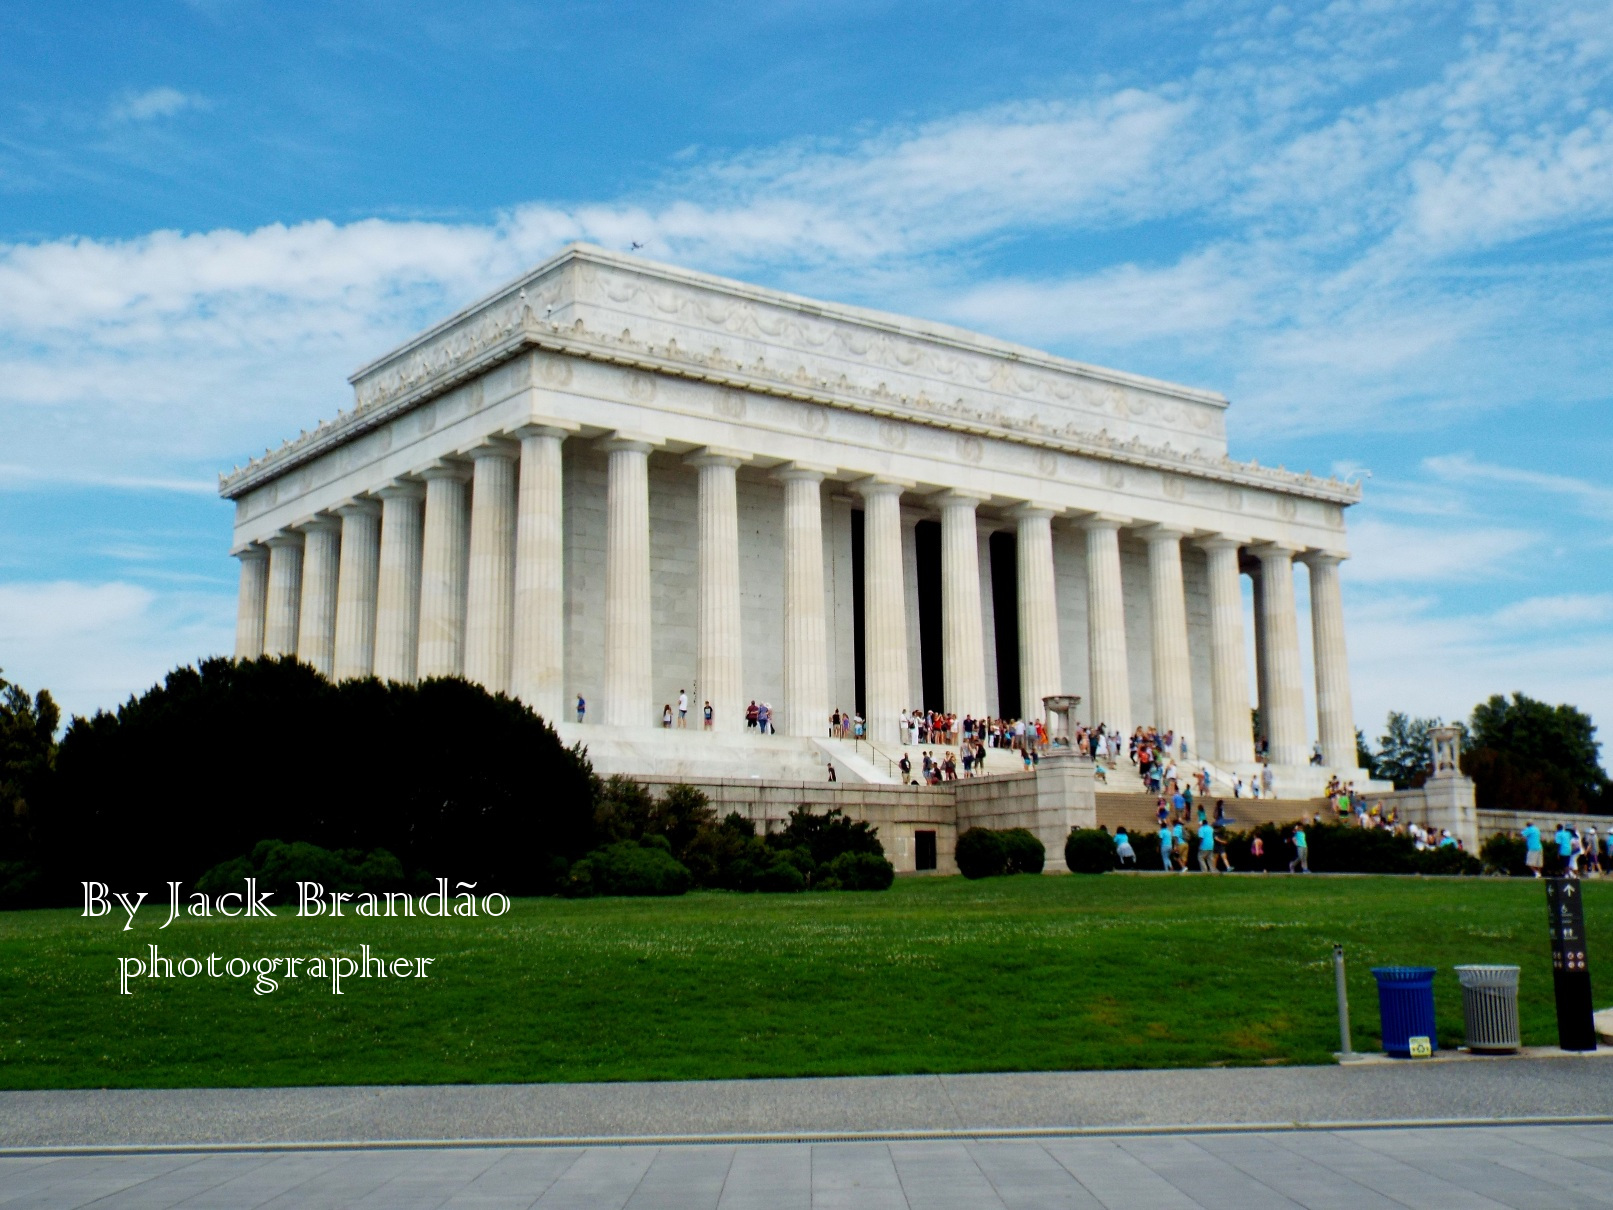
<point>444,568</point>
<point>884,608</point>
<point>356,584</point>
<point>1229,671</point>
<point>1038,608</point>
<point>1106,625</point>
<point>806,640</point>
<point>1285,687</point>
<point>963,655</point>
<point>1335,716</point>
<point>252,602</point>
<point>538,647</point>
<point>490,592</point>
<point>285,593</point>
<point>397,593</point>
<point>1173,686</point>
<point>316,618</point>
<point>719,667</point>
<point>627,584</point>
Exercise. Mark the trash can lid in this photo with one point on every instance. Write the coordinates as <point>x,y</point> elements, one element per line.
<point>1482,975</point>
<point>1402,974</point>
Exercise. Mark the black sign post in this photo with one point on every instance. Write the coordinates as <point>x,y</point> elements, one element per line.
<point>1570,974</point>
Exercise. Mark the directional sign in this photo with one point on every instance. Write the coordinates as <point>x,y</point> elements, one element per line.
<point>1571,976</point>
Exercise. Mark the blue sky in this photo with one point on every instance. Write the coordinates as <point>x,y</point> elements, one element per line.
<point>1385,230</point>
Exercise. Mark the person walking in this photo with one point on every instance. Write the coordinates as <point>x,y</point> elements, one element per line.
<point>582,707</point>
<point>1123,850</point>
<point>764,718</point>
<point>1302,854</point>
<point>1206,848</point>
<point>666,716</point>
<point>752,714</point>
<point>1167,847</point>
<point>1179,846</point>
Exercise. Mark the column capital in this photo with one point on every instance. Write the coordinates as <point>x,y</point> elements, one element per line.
<point>959,495</point>
<point>810,472</point>
<point>1162,533</point>
<point>716,455</point>
<point>1031,510</point>
<point>358,508</point>
<point>401,489</point>
<point>319,521</point>
<point>541,426</point>
<point>1265,551</point>
<point>284,538</point>
<point>1322,557</point>
<point>1220,542</point>
<point>445,469</point>
<point>250,550</point>
<point>880,485</point>
<point>493,447</point>
<point>636,443</point>
<point>1100,521</point>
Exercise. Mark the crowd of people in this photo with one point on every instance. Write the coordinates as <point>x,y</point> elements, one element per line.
<point>1578,851</point>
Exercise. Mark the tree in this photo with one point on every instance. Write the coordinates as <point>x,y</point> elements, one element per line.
<point>27,748</point>
<point>1363,752</point>
<point>1403,750</point>
<point>1525,755</point>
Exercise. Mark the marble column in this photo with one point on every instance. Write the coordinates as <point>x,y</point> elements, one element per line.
<point>397,592</point>
<point>1335,716</point>
<point>627,585</point>
<point>1173,672</point>
<point>444,568</point>
<point>1285,687</point>
<point>252,602</point>
<point>538,646</point>
<point>806,639</point>
<point>1106,625</point>
<point>285,592</point>
<point>316,619</point>
<point>356,585</point>
<point>911,517</point>
<point>1038,608</point>
<point>1229,670</point>
<point>719,665</point>
<point>490,591</point>
<point>884,609</point>
<point>963,656</point>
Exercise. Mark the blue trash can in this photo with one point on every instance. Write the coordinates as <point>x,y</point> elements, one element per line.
<point>1405,1007</point>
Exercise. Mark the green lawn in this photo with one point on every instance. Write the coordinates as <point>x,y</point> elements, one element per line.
<point>936,975</point>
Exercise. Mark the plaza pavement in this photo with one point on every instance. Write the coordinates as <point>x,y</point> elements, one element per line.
<point>1201,1138</point>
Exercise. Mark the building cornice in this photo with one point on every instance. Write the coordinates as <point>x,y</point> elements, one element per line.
<point>515,320</point>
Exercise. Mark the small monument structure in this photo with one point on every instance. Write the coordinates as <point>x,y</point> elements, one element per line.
<point>1065,794</point>
<point>1452,803</point>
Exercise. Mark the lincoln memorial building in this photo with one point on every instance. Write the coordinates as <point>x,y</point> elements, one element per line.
<point>619,479</point>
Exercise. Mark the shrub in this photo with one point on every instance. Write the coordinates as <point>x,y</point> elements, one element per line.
<point>1504,854</point>
<point>278,867</point>
<point>1089,851</point>
<point>980,854</point>
<point>826,836</point>
<point>1347,849</point>
<point>628,868</point>
<point>783,875</point>
<point>1025,853</point>
<point>858,872</point>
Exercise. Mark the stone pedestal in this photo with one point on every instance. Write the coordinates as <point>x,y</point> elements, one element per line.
<point>1452,802</point>
<point>1065,799</point>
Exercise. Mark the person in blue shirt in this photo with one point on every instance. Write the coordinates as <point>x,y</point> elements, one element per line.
<point>1534,854</point>
<point>1165,847</point>
<point>1206,848</point>
<point>1565,848</point>
<point>1179,847</point>
<point>1124,851</point>
<point>1302,853</point>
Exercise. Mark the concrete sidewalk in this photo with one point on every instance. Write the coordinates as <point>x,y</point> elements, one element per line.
<point>889,1107</point>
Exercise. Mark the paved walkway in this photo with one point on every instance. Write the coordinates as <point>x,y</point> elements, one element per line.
<point>890,1105</point>
<point>1558,1167</point>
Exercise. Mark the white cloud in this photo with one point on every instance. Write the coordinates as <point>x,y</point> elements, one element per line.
<point>1595,499</point>
<point>163,102</point>
<point>94,644</point>
<point>1386,552</point>
<point>1567,612</point>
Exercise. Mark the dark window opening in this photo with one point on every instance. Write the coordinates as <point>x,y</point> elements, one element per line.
<point>924,850</point>
<point>1005,612</point>
<point>858,649</point>
<point>927,544</point>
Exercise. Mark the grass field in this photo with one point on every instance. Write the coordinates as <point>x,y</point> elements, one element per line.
<point>936,975</point>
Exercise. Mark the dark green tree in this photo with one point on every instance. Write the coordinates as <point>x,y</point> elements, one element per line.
<point>27,757</point>
<point>1364,758</point>
<point>1403,750</point>
<point>1525,755</point>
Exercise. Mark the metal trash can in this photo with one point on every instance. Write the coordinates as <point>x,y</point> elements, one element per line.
<point>1405,1007</point>
<point>1490,1007</point>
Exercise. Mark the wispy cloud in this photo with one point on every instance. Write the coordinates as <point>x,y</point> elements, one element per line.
<point>151,103</point>
<point>1593,498</point>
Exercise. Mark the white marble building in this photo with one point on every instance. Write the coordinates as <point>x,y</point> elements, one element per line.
<point>620,479</point>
